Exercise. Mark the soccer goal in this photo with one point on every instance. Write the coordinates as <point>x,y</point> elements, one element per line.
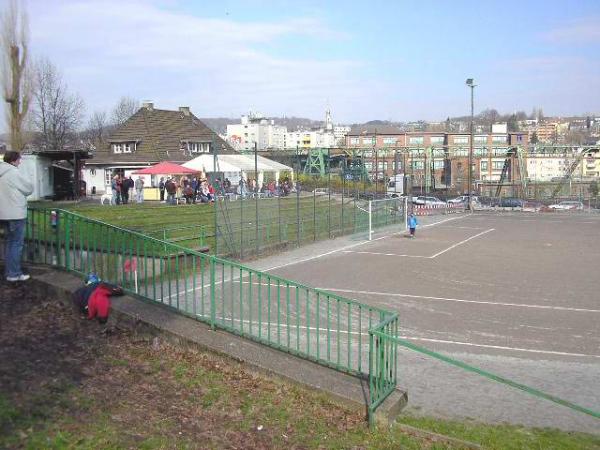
<point>381,213</point>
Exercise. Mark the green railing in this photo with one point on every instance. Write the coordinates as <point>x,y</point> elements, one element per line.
<point>388,340</point>
<point>310,323</point>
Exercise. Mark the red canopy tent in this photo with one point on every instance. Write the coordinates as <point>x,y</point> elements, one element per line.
<point>165,168</point>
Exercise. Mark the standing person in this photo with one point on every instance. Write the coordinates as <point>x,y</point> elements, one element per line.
<point>114,187</point>
<point>195,187</point>
<point>125,190</point>
<point>412,224</point>
<point>139,190</point>
<point>13,214</point>
<point>171,189</point>
<point>161,189</point>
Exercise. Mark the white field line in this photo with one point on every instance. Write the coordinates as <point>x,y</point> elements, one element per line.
<point>410,338</point>
<point>461,242</point>
<point>342,249</point>
<point>458,300</point>
<point>462,228</point>
<point>420,256</point>
<point>386,254</point>
<point>499,347</point>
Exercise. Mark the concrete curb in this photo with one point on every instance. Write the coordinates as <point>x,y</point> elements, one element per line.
<point>153,319</point>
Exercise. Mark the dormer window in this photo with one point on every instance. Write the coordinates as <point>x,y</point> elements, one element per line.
<point>198,147</point>
<point>124,147</point>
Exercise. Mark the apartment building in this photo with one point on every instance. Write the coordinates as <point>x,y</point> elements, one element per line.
<point>254,128</point>
<point>438,159</point>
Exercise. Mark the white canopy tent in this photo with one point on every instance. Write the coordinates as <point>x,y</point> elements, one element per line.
<point>238,166</point>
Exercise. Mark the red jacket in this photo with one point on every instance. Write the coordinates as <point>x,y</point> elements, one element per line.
<point>99,302</point>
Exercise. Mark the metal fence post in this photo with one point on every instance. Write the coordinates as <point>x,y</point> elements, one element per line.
<point>213,312</point>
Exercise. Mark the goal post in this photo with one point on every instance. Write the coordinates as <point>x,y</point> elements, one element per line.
<point>383,212</point>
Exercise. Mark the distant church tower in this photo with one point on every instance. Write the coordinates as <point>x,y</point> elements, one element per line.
<point>328,121</point>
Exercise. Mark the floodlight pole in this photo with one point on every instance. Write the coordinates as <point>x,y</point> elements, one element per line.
<point>471,84</point>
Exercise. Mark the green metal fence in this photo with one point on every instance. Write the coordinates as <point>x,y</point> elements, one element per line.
<point>313,324</point>
<point>250,226</point>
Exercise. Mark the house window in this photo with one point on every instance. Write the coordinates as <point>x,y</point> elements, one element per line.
<point>415,140</point>
<point>437,140</point>
<point>417,165</point>
<point>123,147</point>
<point>438,164</point>
<point>499,139</point>
<point>389,140</point>
<point>354,141</point>
<point>519,138</point>
<point>497,165</point>
<point>461,139</point>
<point>367,140</point>
<point>198,147</point>
<point>481,139</point>
<point>484,166</point>
<point>107,176</point>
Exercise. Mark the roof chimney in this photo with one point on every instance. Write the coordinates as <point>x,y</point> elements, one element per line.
<point>185,110</point>
<point>148,105</point>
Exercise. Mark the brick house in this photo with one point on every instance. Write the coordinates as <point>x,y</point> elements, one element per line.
<point>149,137</point>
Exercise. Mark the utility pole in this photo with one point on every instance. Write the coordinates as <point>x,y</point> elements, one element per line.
<point>471,84</point>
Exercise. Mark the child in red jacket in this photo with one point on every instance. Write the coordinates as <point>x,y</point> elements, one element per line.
<point>93,299</point>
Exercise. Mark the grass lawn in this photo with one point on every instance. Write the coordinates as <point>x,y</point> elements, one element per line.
<point>67,383</point>
<point>280,220</point>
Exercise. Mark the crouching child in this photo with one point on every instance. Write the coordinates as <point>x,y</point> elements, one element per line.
<point>93,299</point>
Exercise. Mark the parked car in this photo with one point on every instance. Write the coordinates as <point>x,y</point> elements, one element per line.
<point>428,201</point>
<point>509,202</point>
<point>567,205</point>
<point>464,199</point>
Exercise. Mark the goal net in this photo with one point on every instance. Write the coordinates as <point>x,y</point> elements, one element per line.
<point>374,214</point>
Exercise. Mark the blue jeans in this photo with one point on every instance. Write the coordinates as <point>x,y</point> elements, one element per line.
<point>14,234</point>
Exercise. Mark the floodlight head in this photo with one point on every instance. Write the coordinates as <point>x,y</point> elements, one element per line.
<point>470,81</point>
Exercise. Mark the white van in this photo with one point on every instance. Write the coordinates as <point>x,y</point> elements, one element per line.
<point>395,187</point>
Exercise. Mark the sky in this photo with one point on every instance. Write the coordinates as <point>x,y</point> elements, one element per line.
<point>364,60</point>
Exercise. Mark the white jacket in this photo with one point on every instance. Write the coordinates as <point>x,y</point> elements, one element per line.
<point>14,189</point>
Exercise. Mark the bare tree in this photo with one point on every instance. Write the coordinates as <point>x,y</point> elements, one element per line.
<point>126,108</point>
<point>488,117</point>
<point>57,113</point>
<point>16,80</point>
<point>97,130</point>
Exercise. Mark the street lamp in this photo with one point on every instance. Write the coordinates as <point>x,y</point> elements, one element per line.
<point>471,84</point>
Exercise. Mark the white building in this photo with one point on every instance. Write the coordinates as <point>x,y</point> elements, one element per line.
<point>255,128</point>
<point>339,133</point>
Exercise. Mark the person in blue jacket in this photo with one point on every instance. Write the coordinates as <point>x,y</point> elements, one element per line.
<point>412,224</point>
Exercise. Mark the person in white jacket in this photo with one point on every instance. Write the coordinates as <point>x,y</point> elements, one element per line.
<point>14,189</point>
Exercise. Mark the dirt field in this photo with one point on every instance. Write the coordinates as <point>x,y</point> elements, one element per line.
<point>68,382</point>
<point>513,293</point>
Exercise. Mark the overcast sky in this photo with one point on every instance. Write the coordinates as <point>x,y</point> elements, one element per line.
<point>398,60</point>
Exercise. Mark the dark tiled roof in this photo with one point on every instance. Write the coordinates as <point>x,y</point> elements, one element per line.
<point>159,134</point>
